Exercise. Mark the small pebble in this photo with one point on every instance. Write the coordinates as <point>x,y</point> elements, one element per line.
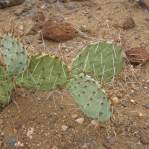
<point>140,114</point>
<point>132,101</point>
<point>74,116</point>
<point>115,100</point>
<point>144,138</point>
<point>146,106</point>
<point>95,123</point>
<point>64,127</point>
<point>80,120</point>
<point>54,147</point>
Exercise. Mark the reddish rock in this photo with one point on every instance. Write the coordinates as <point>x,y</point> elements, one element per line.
<point>137,56</point>
<point>128,23</point>
<point>58,30</point>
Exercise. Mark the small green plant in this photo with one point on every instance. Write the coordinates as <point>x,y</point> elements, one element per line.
<point>97,62</point>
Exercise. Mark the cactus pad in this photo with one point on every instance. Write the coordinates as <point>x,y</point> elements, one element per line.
<point>2,73</point>
<point>102,61</point>
<point>90,97</point>
<point>6,88</point>
<point>14,55</point>
<point>44,73</point>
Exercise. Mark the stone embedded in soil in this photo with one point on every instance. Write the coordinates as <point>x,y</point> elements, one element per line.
<point>74,116</point>
<point>115,100</point>
<point>9,3</point>
<point>95,123</point>
<point>64,127</point>
<point>11,142</point>
<point>126,23</point>
<point>57,30</point>
<point>80,120</point>
<point>87,146</point>
<point>144,3</point>
<point>137,55</point>
<point>144,138</point>
<point>109,142</point>
<point>146,106</point>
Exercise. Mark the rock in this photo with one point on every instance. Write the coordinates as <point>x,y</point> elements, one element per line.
<point>146,2</point>
<point>30,132</point>
<point>140,114</point>
<point>109,142</point>
<point>95,123</point>
<point>11,142</point>
<point>146,106</point>
<point>137,55</point>
<point>126,23</point>
<point>54,147</point>
<point>132,101</point>
<point>64,127</point>
<point>114,100</point>
<point>9,3</point>
<point>143,3</point>
<point>80,120</point>
<point>87,146</point>
<point>144,137</point>
<point>74,116</point>
<point>57,30</point>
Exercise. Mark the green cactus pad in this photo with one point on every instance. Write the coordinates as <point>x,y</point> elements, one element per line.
<point>102,61</point>
<point>44,73</point>
<point>6,88</point>
<point>2,73</point>
<point>90,97</point>
<point>14,55</point>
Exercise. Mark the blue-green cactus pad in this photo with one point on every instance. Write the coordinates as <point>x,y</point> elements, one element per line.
<point>90,97</point>
<point>14,55</point>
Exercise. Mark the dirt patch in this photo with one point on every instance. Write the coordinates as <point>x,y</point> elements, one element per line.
<point>36,119</point>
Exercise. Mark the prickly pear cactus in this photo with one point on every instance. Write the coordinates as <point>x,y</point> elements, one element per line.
<point>101,60</point>
<point>2,73</point>
<point>6,87</point>
<point>90,97</point>
<point>14,55</point>
<point>44,73</point>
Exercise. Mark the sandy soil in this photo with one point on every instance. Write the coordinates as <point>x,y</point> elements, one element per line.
<point>38,122</point>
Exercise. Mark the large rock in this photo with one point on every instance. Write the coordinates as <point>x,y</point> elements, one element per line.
<point>144,3</point>
<point>9,3</point>
<point>58,30</point>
